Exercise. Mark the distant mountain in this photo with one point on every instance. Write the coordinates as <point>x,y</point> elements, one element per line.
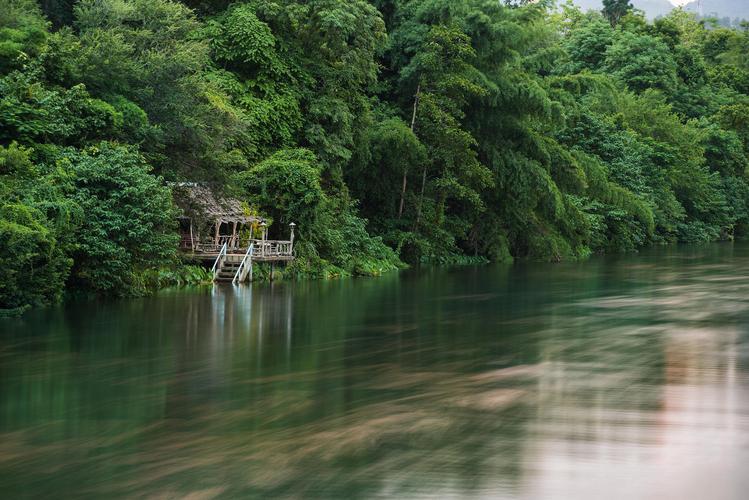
<point>652,8</point>
<point>720,8</point>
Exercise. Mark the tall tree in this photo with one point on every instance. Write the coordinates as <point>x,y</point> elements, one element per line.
<point>615,10</point>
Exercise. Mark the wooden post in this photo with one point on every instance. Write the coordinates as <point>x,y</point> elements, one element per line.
<point>264,236</point>
<point>218,231</point>
<point>192,239</point>
<point>291,244</point>
<point>233,234</point>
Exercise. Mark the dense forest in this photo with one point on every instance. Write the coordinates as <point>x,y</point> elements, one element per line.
<point>391,131</point>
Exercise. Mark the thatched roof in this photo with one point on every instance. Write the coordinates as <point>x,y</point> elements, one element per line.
<point>200,202</point>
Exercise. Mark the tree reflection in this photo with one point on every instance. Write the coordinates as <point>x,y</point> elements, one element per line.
<point>505,381</point>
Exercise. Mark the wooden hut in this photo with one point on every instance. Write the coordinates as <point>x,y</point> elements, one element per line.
<point>208,220</point>
<point>221,230</point>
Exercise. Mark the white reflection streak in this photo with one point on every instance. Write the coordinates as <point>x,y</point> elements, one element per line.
<point>581,452</point>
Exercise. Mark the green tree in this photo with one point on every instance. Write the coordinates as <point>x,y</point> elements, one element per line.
<point>129,219</point>
<point>260,83</point>
<point>148,52</point>
<point>332,239</point>
<point>33,263</point>
<point>23,31</point>
<point>334,43</point>
<point>642,62</point>
<point>32,267</point>
<point>379,177</point>
<point>32,112</point>
<point>447,80</point>
<point>615,10</point>
<point>587,45</point>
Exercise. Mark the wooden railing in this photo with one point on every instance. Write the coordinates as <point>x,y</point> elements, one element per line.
<point>185,242</point>
<point>219,262</point>
<point>245,267</point>
<point>272,248</point>
<point>261,248</point>
<point>214,246</point>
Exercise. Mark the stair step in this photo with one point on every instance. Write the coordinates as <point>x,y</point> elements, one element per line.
<point>227,271</point>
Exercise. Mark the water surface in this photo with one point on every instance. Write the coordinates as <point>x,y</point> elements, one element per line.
<point>621,377</point>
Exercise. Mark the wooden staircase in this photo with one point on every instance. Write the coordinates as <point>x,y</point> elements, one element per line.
<point>233,268</point>
<point>228,269</point>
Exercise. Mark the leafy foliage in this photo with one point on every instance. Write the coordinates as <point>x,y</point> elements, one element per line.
<point>615,10</point>
<point>287,187</point>
<point>129,218</point>
<point>33,261</point>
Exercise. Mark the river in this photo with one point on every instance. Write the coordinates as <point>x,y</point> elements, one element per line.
<point>623,377</point>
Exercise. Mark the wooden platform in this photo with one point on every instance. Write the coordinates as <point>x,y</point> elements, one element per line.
<point>262,251</point>
<point>234,263</point>
<point>211,257</point>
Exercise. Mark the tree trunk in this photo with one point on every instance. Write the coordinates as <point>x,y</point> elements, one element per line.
<point>403,193</point>
<point>421,198</point>
<point>405,170</point>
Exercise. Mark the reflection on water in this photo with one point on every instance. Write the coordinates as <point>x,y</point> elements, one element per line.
<point>624,377</point>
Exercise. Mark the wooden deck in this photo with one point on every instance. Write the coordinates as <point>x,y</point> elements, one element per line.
<point>211,257</point>
<point>263,251</point>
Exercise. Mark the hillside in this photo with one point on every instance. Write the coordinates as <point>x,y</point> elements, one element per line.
<point>652,8</point>
<point>720,8</point>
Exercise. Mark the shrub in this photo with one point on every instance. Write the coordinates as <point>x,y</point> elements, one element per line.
<point>32,267</point>
<point>129,223</point>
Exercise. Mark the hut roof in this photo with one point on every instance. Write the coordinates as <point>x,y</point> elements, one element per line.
<point>199,201</point>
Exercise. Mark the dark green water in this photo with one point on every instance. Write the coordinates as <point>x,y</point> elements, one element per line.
<point>621,377</point>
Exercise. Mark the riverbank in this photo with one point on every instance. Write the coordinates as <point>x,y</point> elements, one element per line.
<point>190,274</point>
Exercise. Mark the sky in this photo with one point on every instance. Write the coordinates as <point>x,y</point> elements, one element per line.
<point>679,2</point>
